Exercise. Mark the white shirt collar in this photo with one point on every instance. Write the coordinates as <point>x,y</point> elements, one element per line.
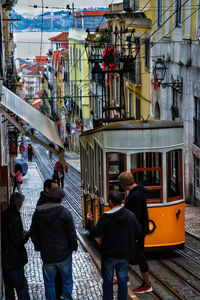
<point>113,210</point>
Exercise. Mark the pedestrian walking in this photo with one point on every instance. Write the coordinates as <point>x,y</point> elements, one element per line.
<point>66,143</point>
<point>118,229</point>
<point>14,256</point>
<point>59,173</point>
<point>22,150</point>
<point>54,235</point>
<point>50,153</point>
<point>18,180</point>
<point>136,203</point>
<point>30,152</point>
<point>45,198</point>
<point>44,195</point>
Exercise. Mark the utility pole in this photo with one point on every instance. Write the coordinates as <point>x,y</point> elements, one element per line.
<point>71,9</point>
<point>73,15</point>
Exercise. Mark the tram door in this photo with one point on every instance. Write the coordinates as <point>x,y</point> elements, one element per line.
<point>115,164</point>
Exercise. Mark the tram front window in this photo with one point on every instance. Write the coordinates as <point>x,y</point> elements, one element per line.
<point>174,175</point>
<point>147,171</point>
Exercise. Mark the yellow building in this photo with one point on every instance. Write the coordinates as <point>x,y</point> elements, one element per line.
<point>78,69</point>
<point>79,80</point>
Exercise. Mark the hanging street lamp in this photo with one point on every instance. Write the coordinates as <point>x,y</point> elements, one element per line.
<point>159,71</point>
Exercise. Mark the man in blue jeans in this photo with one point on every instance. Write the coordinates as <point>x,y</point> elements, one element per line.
<point>118,229</point>
<point>54,235</point>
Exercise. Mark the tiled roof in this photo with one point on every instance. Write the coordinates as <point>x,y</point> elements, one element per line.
<point>41,59</point>
<point>34,70</point>
<point>90,13</point>
<point>61,37</point>
<point>24,67</point>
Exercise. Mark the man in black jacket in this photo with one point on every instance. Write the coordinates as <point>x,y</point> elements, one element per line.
<point>118,229</point>
<point>45,198</point>
<point>44,195</point>
<point>136,203</point>
<point>53,234</point>
<point>14,256</point>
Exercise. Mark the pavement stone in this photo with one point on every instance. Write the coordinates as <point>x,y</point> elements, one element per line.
<point>87,280</point>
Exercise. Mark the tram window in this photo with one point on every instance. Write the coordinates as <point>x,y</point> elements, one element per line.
<point>90,168</point>
<point>197,178</point>
<point>115,163</point>
<point>83,166</point>
<point>98,170</point>
<point>147,171</point>
<point>101,173</point>
<point>174,175</point>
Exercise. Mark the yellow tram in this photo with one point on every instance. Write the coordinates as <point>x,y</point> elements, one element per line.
<point>153,151</point>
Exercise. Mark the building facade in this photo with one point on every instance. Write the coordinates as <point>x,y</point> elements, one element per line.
<point>175,40</point>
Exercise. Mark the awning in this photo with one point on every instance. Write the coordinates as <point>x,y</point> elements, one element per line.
<point>30,115</point>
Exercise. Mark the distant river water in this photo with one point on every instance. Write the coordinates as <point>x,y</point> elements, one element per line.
<point>29,44</point>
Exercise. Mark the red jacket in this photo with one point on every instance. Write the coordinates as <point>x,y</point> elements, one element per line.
<point>21,148</point>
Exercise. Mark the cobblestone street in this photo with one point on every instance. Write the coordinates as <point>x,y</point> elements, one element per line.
<point>87,280</point>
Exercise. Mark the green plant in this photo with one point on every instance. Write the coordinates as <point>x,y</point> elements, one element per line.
<point>180,63</point>
<point>101,38</point>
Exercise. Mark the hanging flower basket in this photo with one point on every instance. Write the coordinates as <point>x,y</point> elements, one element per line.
<point>108,61</point>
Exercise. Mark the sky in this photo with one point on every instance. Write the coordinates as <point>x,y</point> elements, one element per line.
<point>25,5</point>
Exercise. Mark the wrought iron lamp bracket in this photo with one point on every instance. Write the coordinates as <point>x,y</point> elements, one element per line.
<point>175,85</point>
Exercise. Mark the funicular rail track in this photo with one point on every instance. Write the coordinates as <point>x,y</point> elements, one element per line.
<point>71,188</point>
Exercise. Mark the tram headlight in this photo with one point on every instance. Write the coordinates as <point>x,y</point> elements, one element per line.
<point>152,226</point>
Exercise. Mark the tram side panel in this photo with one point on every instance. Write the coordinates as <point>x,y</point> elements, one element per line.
<point>160,172</point>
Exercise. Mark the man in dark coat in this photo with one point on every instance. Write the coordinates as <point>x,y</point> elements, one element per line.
<point>30,152</point>
<point>45,198</point>
<point>118,229</point>
<point>14,256</point>
<point>53,234</point>
<point>44,195</point>
<point>136,203</point>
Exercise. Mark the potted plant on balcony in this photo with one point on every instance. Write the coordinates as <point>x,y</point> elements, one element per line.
<point>9,3</point>
<point>108,62</point>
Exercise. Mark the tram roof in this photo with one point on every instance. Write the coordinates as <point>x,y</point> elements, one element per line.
<point>136,125</point>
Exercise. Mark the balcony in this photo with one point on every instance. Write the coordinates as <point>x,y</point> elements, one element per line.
<point>134,74</point>
<point>9,3</point>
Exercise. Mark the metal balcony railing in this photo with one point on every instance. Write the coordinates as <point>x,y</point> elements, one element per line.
<point>135,75</point>
<point>9,3</point>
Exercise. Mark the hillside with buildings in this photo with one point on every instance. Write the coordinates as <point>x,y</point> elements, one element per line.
<point>57,21</point>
